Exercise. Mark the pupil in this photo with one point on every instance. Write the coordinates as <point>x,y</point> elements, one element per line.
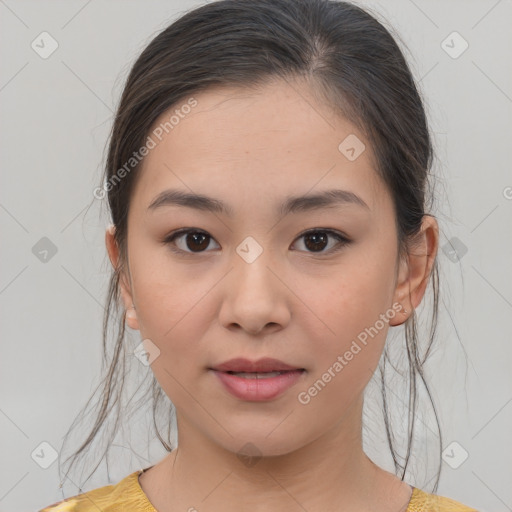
<point>197,237</point>
<point>322,238</point>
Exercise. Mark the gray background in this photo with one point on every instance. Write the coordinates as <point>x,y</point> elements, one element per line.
<point>56,113</point>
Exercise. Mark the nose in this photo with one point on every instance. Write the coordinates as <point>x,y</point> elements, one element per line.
<point>255,297</point>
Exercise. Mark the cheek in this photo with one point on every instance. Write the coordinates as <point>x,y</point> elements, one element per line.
<point>355,312</point>
<point>173,312</point>
<point>342,367</point>
<point>174,322</point>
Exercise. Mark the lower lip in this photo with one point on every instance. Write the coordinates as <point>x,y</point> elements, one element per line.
<point>258,390</point>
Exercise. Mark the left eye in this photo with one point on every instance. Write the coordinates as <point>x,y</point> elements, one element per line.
<point>317,239</point>
<point>197,241</point>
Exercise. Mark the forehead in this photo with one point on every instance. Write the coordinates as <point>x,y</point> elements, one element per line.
<point>275,140</point>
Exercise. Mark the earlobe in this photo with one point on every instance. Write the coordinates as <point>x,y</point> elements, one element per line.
<point>130,314</point>
<point>131,318</point>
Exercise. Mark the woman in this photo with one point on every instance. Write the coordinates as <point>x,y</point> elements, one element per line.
<point>267,177</point>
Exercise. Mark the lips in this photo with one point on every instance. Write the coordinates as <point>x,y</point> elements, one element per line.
<point>257,381</point>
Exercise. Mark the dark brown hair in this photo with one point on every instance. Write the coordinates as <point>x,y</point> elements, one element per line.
<point>352,62</point>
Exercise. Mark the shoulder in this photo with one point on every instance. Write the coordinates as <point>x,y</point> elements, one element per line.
<point>127,494</point>
<point>422,501</point>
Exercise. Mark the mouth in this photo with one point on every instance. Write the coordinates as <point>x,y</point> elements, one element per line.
<point>257,381</point>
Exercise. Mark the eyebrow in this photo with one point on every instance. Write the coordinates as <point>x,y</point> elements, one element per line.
<point>292,204</point>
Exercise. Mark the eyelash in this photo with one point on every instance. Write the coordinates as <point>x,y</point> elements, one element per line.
<point>343,240</point>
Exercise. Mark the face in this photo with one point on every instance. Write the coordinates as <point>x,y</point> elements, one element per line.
<point>312,285</point>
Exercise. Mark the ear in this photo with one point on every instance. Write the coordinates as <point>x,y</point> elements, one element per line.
<point>125,289</point>
<point>413,274</point>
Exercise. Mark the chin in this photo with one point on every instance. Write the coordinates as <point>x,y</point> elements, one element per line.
<point>251,445</point>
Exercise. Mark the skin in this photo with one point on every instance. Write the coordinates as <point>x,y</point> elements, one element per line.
<point>303,306</point>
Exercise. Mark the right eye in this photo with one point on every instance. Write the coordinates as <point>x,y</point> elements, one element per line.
<point>193,239</point>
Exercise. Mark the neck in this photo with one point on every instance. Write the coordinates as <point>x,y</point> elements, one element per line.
<point>330,473</point>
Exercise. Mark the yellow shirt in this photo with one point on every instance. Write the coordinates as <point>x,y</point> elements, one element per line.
<point>128,496</point>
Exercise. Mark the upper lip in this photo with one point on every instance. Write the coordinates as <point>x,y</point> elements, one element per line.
<point>266,364</point>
